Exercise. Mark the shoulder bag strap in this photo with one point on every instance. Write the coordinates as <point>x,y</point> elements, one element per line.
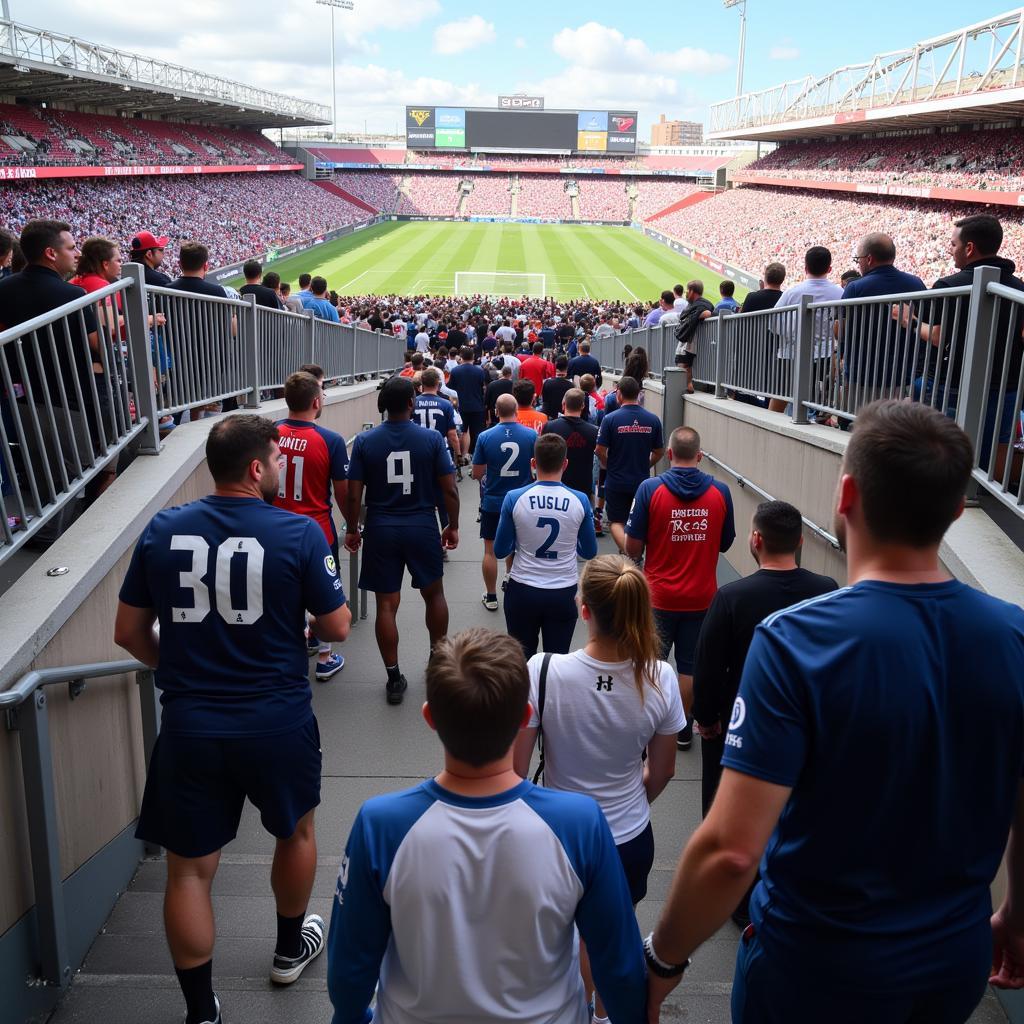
<point>542,687</point>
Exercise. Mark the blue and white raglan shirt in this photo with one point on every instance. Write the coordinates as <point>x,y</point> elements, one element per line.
<point>547,525</point>
<point>466,909</point>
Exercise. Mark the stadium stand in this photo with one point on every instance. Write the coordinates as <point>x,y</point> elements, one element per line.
<point>542,195</point>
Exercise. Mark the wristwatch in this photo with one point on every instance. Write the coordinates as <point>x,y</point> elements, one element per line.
<point>659,967</point>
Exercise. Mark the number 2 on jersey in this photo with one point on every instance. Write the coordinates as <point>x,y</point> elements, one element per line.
<point>544,551</point>
<point>400,470</point>
<point>512,447</point>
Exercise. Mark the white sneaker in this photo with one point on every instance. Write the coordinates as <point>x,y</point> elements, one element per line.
<point>490,603</point>
<point>287,969</point>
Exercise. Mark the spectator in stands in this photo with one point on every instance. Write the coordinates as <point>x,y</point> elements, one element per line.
<point>555,388</point>
<point>849,275</point>
<point>679,301</point>
<point>537,369</point>
<point>525,393</point>
<point>727,304</point>
<point>253,273</point>
<point>147,249</point>
<point>897,700</point>
<point>697,309</point>
<point>7,243</point>
<point>665,303</point>
<point>194,258</point>
<point>501,386</point>
<point>976,243</point>
<point>413,870</point>
<point>304,292</point>
<point>817,267</point>
<point>580,440</point>
<point>291,302</point>
<point>470,381</point>
<point>318,302</point>
<point>768,295</point>
<point>422,341</point>
<point>584,363</point>
<point>604,329</point>
<point>272,280</point>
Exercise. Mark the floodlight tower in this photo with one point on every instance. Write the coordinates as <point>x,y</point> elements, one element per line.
<point>345,5</point>
<point>742,5</point>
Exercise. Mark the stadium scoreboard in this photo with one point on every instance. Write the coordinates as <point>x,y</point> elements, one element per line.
<point>464,129</point>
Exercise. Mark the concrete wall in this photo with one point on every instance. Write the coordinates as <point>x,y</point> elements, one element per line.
<point>97,741</point>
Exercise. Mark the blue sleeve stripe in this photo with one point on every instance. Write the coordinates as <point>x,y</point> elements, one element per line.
<point>775,616</point>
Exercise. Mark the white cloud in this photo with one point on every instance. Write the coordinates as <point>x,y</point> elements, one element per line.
<point>520,43</point>
<point>598,46</point>
<point>784,52</point>
<point>459,36</point>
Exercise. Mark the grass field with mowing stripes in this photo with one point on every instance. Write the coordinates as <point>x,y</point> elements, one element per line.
<point>422,257</point>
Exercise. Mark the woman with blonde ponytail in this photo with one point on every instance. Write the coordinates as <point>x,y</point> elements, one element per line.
<point>603,707</point>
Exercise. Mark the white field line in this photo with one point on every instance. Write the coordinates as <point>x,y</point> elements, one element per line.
<point>622,285</point>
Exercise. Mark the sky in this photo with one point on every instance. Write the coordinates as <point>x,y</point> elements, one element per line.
<point>653,57</point>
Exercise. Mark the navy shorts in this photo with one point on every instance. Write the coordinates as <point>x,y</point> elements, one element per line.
<point>389,550</point>
<point>535,614</point>
<point>617,504</point>
<point>197,786</point>
<point>489,524</point>
<point>637,856</point>
<point>679,630</point>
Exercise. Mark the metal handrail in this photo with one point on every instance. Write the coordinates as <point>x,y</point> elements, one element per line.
<point>32,681</point>
<point>53,315</point>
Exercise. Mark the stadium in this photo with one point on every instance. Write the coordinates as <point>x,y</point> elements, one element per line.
<point>483,234</point>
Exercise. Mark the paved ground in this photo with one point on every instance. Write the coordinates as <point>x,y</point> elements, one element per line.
<point>368,748</point>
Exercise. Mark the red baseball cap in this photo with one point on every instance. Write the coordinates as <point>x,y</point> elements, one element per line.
<point>146,240</point>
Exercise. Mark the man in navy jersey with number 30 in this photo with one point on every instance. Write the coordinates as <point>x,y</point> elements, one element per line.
<point>402,468</point>
<point>229,578</point>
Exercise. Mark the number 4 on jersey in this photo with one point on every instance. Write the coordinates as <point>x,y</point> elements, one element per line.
<point>399,466</point>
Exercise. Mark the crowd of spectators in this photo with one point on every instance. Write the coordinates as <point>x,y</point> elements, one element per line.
<point>988,159</point>
<point>378,189</point>
<point>656,194</point>
<point>237,215</point>
<point>543,195</point>
<point>604,198</point>
<point>490,195</point>
<point>42,136</point>
<point>751,225</point>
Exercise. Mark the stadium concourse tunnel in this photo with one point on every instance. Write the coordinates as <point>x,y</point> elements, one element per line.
<point>73,753</point>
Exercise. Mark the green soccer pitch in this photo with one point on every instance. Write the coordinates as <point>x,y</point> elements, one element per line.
<point>579,261</point>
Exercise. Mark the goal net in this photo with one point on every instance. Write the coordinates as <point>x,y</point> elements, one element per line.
<point>499,282</point>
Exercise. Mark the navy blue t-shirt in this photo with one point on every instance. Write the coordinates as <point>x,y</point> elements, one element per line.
<point>630,434</point>
<point>230,580</point>
<point>434,413</point>
<point>506,451</point>
<point>896,715</point>
<point>399,463</point>
<point>582,365</point>
<point>468,381</point>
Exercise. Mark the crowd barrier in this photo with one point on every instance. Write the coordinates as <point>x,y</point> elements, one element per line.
<point>83,383</point>
<point>957,350</point>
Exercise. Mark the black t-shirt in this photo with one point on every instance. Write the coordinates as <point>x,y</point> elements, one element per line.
<point>198,286</point>
<point>736,611</point>
<point>264,296</point>
<point>565,333</point>
<point>580,442</point>
<point>765,298</point>
<point>37,290</point>
<point>551,395</point>
<point>501,386</point>
<point>156,278</point>
<point>456,339</point>
<point>375,322</point>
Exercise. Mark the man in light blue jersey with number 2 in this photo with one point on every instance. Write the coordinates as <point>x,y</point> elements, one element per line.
<point>547,525</point>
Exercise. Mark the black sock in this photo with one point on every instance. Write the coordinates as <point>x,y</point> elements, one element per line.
<point>394,674</point>
<point>289,935</point>
<point>197,988</point>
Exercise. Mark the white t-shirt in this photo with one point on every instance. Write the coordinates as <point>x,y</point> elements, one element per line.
<point>820,289</point>
<point>680,304</point>
<point>505,333</point>
<point>422,342</point>
<point>596,729</point>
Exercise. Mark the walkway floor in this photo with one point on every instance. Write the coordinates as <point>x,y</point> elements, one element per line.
<point>368,748</point>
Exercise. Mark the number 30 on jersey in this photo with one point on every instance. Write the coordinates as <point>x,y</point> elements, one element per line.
<point>192,579</point>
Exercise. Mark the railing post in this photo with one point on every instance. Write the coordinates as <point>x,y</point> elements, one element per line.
<point>248,336</point>
<point>972,387</point>
<point>150,727</point>
<point>309,341</point>
<point>720,346</point>
<point>44,846</point>
<point>803,354</point>
<point>136,312</point>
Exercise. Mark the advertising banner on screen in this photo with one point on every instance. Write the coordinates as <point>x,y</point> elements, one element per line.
<point>622,122</point>
<point>592,142</point>
<point>592,121</point>
<point>419,117</point>
<point>621,143</point>
<point>450,128</point>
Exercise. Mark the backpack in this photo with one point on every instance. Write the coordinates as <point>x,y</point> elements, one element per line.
<point>689,320</point>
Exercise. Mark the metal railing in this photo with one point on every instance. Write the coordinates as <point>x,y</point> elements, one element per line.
<point>81,384</point>
<point>957,349</point>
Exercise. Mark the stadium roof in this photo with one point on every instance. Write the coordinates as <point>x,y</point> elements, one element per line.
<point>971,75</point>
<point>42,66</point>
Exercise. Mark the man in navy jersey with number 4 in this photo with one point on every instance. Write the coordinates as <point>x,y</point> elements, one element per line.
<point>229,578</point>
<point>629,443</point>
<point>502,460</point>
<point>313,460</point>
<point>545,525</point>
<point>434,412</point>
<point>873,765</point>
<point>401,468</point>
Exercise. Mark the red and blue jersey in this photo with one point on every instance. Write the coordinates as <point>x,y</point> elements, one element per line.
<point>685,519</point>
<point>311,458</point>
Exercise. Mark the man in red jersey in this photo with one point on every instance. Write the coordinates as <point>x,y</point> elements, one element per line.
<point>536,368</point>
<point>684,519</point>
<point>313,460</point>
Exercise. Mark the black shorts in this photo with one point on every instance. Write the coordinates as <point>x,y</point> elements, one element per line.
<point>679,630</point>
<point>389,550</point>
<point>489,524</point>
<point>685,358</point>
<point>617,504</point>
<point>637,856</point>
<point>197,786</point>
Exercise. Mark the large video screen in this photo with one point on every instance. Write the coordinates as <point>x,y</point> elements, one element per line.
<point>573,131</point>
